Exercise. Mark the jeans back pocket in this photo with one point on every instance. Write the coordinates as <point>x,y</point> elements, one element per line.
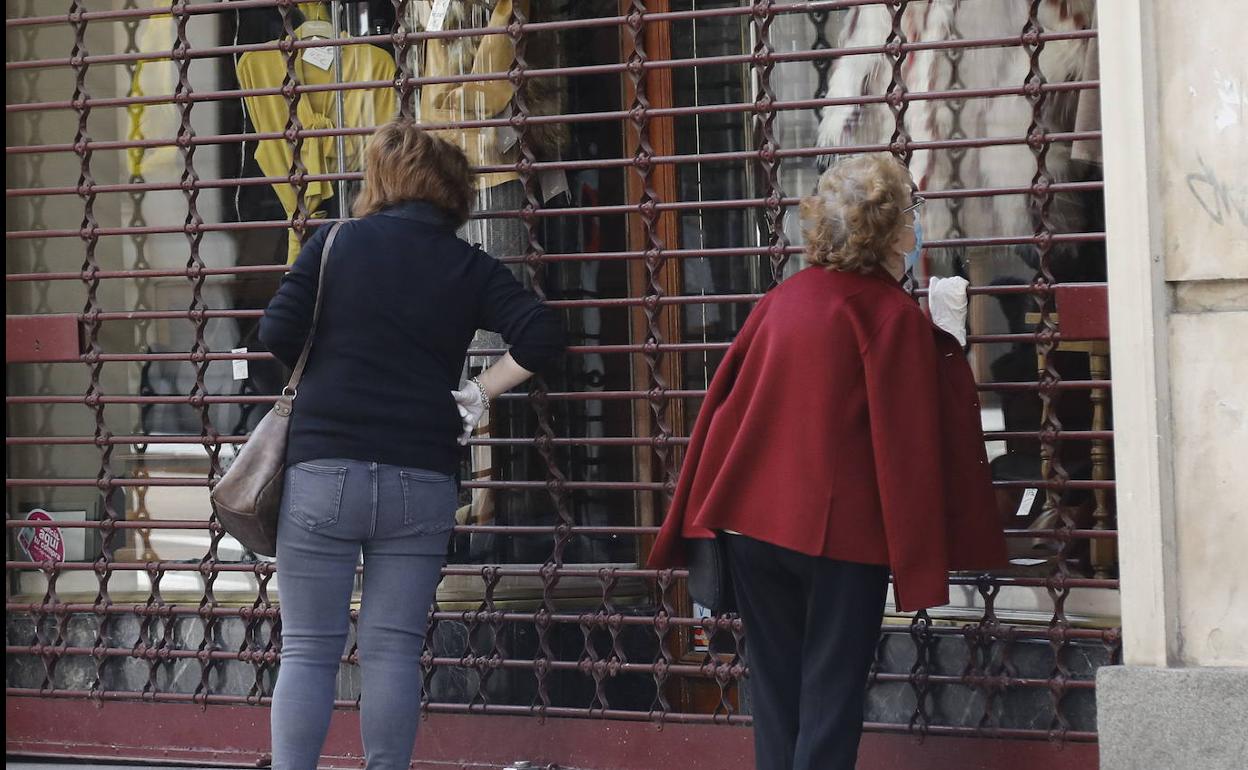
<point>429,501</point>
<point>316,494</point>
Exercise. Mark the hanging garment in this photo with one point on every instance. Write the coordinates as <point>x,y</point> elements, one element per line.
<point>151,121</point>
<point>314,11</point>
<point>480,100</point>
<point>362,107</point>
<point>933,69</point>
<point>1088,110</point>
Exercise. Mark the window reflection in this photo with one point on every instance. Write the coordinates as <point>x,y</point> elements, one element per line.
<point>169,430</point>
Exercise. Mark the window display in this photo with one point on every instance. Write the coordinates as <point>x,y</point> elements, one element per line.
<point>638,165</point>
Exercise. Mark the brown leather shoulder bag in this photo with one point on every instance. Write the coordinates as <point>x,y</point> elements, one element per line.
<point>248,497</point>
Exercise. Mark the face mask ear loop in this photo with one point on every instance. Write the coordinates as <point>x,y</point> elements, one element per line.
<point>912,256</point>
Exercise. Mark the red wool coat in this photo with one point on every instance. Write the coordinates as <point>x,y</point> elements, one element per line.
<point>842,423</point>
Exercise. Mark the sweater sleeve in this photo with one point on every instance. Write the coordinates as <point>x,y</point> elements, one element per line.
<point>903,402</point>
<point>288,318</point>
<point>533,330</point>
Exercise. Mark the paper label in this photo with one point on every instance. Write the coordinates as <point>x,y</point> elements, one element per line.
<point>554,183</point>
<point>1024,505</point>
<point>322,58</point>
<point>437,17</point>
<point>508,137</point>
<point>240,364</point>
<point>699,639</point>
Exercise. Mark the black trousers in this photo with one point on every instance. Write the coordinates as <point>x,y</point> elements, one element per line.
<point>811,627</point>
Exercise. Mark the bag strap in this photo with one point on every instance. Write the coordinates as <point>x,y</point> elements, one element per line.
<point>292,387</point>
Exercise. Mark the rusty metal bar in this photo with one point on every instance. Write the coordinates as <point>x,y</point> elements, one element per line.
<point>619,395</point>
<point>588,117</point>
<point>100,232</point>
<point>601,69</point>
<point>188,9</point>
<point>289,43</point>
<point>1065,435</point>
<point>502,529</point>
<point>692,299</point>
<point>622,164</point>
<point>598,256</point>
<point>684,347</point>
<point>507,570</point>
<point>247,656</point>
<point>1002,632</point>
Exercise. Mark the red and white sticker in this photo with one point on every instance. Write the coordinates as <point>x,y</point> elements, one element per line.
<point>42,543</point>
<point>700,641</point>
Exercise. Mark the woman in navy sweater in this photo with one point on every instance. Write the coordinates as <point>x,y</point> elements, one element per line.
<point>374,441</point>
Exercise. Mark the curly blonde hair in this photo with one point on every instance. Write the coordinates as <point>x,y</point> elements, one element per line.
<point>852,219</point>
<point>404,162</point>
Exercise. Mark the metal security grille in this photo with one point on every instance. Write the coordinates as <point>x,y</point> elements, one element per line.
<point>139,210</point>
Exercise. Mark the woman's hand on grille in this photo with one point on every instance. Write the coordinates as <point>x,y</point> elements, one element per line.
<point>474,398</point>
<point>472,407</point>
<point>946,297</point>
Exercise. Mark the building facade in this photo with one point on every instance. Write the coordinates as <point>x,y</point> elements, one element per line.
<point>639,166</point>
<point>1178,256</point>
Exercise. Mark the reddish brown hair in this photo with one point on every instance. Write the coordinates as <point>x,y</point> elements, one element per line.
<point>404,162</point>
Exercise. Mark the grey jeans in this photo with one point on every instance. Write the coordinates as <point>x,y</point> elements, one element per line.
<point>400,519</point>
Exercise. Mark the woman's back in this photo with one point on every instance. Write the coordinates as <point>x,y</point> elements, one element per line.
<point>402,299</point>
<point>373,448</point>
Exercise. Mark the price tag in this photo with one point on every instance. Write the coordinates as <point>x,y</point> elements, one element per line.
<point>240,364</point>
<point>1024,505</point>
<point>437,17</point>
<point>554,182</point>
<point>322,58</point>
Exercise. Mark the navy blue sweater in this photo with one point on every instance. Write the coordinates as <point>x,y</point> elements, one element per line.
<point>403,297</point>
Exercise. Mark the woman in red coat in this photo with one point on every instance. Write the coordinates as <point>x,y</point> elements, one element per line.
<point>840,437</point>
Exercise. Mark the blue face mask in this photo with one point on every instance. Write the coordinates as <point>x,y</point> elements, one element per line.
<point>912,256</point>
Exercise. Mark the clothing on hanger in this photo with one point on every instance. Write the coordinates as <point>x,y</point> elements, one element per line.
<point>146,121</point>
<point>314,11</point>
<point>362,107</point>
<point>1088,109</point>
<point>478,100</point>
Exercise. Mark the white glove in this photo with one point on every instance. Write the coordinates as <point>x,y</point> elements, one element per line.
<point>946,297</point>
<point>472,407</point>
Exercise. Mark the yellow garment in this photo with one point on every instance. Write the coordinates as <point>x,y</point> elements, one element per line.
<point>481,100</point>
<point>156,34</point>
<point>314,11</point>
<point>160,76</point>
<point>362,107</point>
